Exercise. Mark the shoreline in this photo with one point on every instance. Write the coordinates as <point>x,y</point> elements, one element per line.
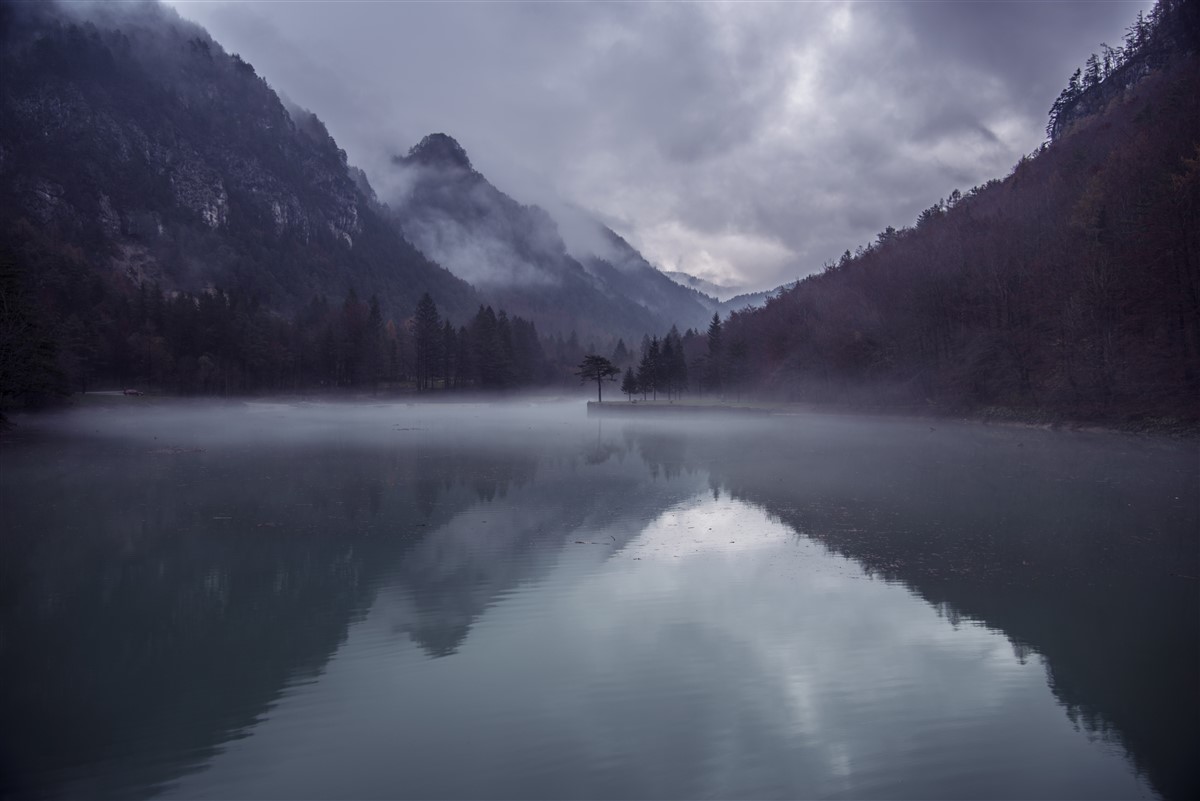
<point>1161,428</point>
<point>1165,428</point>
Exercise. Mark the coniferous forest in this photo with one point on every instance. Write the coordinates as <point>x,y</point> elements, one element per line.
<point>1068,289</point>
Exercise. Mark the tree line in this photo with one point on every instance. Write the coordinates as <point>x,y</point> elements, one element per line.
<point>676,364</point>
<point>1071,287</point>
<point>1149,42</point>
<point>65,328</point>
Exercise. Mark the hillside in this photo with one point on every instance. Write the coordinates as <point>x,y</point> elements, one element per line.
<point>720,298</point>
<point>1071,288</point>
<point>516,255</point>
<point>166,220</point>
<point>719,292</point>
<point>136,149</point>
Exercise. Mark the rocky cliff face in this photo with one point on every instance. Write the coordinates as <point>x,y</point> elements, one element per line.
<point>130,131</point>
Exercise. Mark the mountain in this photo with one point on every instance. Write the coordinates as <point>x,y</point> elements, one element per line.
<point>167,221</point>
<point>516,254</point>
<point>135,149</point>
<point>723,299</point>
<point>720,292</point>
<point>748,300</point>
<point>1069,289</point>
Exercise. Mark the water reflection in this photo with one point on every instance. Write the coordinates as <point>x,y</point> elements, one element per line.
<point>1082,550</point>
<point>548,607</point>
<point>687,665</point>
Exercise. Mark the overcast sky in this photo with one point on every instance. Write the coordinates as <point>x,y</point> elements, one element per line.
<point>745,143</point>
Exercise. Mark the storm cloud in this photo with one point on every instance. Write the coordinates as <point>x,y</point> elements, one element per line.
<point>743,143</point>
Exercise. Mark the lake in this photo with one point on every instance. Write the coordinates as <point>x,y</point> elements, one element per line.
<point>323,600</point>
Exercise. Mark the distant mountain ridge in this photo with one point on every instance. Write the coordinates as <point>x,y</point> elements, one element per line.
<point>748,300</point>
<point>720,292</point>
<point>517,255</point>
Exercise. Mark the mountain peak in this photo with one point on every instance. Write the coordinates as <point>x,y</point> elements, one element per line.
<point>439,149</point>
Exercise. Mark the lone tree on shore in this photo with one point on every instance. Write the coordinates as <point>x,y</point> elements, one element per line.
<point>598,369</point>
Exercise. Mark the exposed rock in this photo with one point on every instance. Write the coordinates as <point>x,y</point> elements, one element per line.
<point>109,219</point>
<point>200,190</point>
<point>46,201</point>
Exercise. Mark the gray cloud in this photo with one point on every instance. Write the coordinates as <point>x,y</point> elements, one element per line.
<point>743,143</point>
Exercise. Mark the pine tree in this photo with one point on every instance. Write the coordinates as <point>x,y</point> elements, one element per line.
<point>448,349</point>
<point>374,363</point>
<point>650,370</point>
<point>28,353</point>
<point>426,338</point>
<point>620,353</point>
<point>1091,74</point>
<point>674,365</point>
<point>629,383</point>
<point>598,369</point>
<point>715,354</point>
<point>462,357</point>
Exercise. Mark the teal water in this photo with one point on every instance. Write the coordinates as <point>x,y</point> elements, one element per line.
<point>453,601</point>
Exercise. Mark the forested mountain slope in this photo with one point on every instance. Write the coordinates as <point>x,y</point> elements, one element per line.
<point>1069,288</point>
<point>166,220</point>
<point>516,255</point>
<point>718,292</point>
<point>163,215</point>
<point>134,147</point>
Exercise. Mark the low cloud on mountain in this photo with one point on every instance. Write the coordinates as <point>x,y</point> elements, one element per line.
<point>734,142</point>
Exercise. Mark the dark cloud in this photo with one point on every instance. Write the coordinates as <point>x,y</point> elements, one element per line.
<point>743,143</point>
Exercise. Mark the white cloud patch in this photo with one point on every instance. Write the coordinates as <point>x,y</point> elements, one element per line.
<point>717,257</point>
<point>805,128</point>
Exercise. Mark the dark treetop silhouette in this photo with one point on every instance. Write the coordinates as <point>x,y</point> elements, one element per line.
<point>598,369</point>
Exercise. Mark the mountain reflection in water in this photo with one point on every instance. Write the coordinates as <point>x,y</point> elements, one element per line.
<point>430,601</point>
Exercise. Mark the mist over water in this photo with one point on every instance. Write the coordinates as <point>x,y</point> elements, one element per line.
<point>512,600</point>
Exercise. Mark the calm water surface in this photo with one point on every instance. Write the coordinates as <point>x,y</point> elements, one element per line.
<point>465,601</point>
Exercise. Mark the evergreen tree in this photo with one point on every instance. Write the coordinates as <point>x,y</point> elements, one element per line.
<point>666,357</point>
<point>448,350</point>
<point>462,358</point>
<point>504,351</point>
<point>715,354</point>
<point>674,363</point>
<point>629,383</point>
<point>598,369</point>
<point>1091,73</point>
<point>427,327</point>
<point>492,346</point>
<point>373,357</point>
<point>1110,58</point>
<point>29,368</point>
<point>528,357</point>
<point>737,366</point>
<point>621,353</point>
<point>650,369</point>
